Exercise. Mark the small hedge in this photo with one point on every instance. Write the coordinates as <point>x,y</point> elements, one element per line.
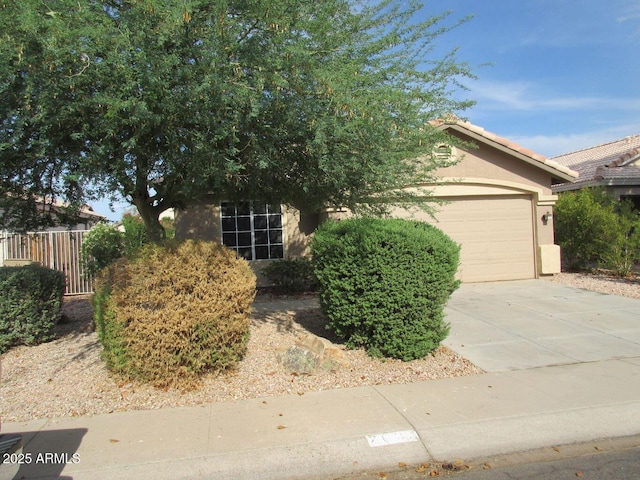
<point>174,311</point>
<point>291,275</point>
<point>30,304</point>
<point>384,284</point>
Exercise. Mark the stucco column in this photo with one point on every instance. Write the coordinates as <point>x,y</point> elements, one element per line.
<point>548,254</point>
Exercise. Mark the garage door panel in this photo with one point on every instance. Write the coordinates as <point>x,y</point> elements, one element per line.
<point>495,234</point>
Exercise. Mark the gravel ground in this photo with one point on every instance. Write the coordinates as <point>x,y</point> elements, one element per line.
<point>601,282</point>
<point>66,377</point>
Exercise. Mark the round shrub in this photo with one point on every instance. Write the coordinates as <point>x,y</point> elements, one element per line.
<point>30,304</point>
<point>384,283</point>
<point>174,311</point>
<point>102,245</point>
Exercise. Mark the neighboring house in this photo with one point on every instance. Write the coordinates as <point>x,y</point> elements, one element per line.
<point>500,205</point>
<point>614,166</point>
<point>87,219</point>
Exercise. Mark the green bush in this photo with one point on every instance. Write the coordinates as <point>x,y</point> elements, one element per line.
<point>101,246</point>
<point>104,244</point>
<point>623,250</point>
<point>135,233</point>
<point>30,304</point>
<point>593,229</point>
<point>384,283</point>
<point>291,275</point>
<point>174,311</point>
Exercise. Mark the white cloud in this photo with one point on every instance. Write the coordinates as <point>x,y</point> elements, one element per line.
<point>561,143</point>
<point>527,96</point>
<point>631,15</point>
<point>510,95</point>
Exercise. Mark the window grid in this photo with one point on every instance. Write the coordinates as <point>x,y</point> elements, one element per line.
<point>253,230</point>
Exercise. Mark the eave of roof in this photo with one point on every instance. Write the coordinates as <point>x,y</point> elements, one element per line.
<point>479,134</point>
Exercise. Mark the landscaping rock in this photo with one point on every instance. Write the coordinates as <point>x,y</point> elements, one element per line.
<point>312,353</point>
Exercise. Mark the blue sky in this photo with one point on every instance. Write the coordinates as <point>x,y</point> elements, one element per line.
<point>563,75</point>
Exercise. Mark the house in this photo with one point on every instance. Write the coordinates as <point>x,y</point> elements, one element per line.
<point>614,166</point>
<point>499,209</point>
<point>87,218</point>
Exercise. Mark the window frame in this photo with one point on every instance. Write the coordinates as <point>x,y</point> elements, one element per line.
<point>258,229</point>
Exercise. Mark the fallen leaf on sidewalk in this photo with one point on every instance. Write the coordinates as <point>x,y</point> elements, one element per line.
<point>281,427</point>
<point>113,440</point>
<point>579,474</point>
<point>422,468</point>
<point>455,466</point>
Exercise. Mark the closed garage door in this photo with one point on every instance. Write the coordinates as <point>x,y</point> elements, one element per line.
<point>495,234</point>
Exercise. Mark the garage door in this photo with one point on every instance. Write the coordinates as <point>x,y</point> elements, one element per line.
<point>495,234</point>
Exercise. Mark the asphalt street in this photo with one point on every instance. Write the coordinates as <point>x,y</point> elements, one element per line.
<point>608,459</point>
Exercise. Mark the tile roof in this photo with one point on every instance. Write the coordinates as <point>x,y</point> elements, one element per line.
<point>609,161</point>
<point>564,171</point>
<point>607,173</point>
<point>85,211</point>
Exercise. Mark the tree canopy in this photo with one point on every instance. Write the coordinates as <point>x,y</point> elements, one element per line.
<point>161,102</point>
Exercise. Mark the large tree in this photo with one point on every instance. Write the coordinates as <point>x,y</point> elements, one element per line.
<point>161,102</point>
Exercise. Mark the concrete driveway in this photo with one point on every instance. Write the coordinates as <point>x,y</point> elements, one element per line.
<point>534,323</point>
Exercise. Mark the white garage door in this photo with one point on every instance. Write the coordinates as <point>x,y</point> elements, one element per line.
<point>495,234</point>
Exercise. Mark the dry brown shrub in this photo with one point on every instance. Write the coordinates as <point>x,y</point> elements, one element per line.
<point>175,311</point>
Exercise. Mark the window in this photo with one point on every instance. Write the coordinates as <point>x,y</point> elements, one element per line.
<point>253,229</point>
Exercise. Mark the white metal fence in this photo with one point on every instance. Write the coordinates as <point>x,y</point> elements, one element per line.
<point>57,250</point>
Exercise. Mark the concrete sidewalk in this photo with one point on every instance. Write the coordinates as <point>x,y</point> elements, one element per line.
<point>328,434</point>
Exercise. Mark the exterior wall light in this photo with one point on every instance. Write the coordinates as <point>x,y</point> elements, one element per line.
<point>547,217</point>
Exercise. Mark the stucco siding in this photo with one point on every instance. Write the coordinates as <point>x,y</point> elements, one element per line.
<point>490,163</point>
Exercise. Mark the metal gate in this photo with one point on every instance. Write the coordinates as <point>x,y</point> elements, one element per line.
<point>56,250</point>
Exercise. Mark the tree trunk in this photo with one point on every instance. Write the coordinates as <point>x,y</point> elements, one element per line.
<point>151,217</point>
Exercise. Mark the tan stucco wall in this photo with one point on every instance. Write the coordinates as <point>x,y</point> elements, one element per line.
<point>202,222</point>
<point>199,222</point>
<point>481,172</point>
<point>490,163</point>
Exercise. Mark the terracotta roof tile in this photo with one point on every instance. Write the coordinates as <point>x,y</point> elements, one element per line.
<point>505,142</point>
<point>613,156</point>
